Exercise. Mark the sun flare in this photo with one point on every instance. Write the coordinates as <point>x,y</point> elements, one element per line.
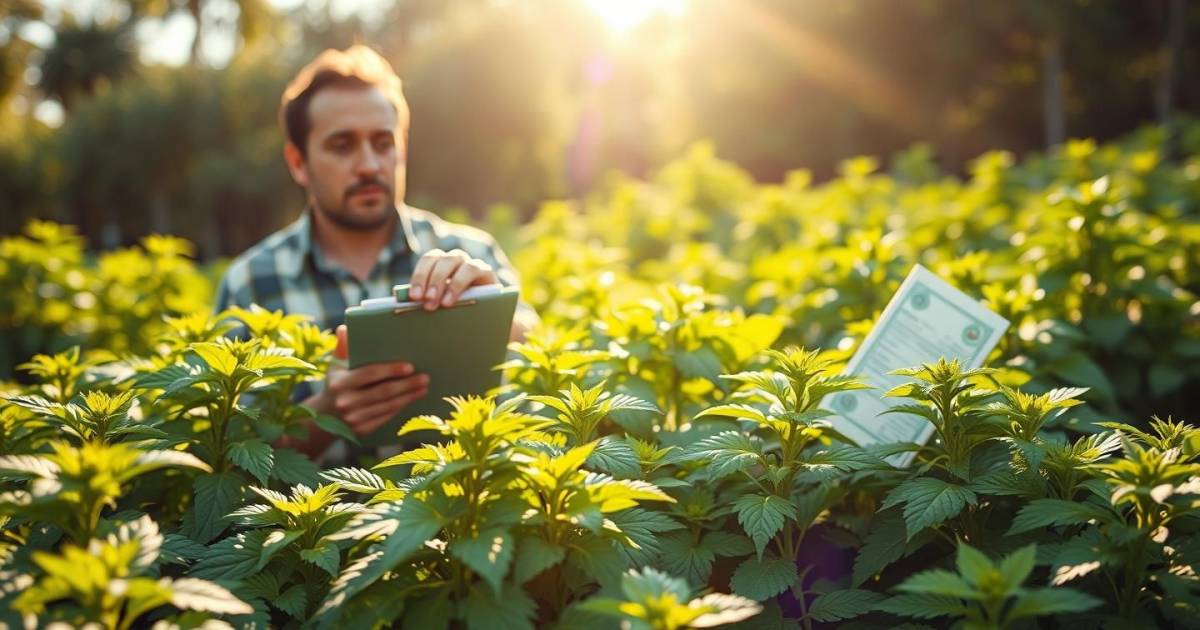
<point>624,15</point>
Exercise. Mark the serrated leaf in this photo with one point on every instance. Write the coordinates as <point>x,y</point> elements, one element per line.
<point>763,578</point>
<point>324,555</point>
<point>938,582</point>
<point>292,601</point>
<point>616,457</point>
<point>177,549</point>
<point>510,609</point>
<point>356,480</point>
<point>762,516</point>
<point>218,358</point>
<point>488,554</point>
<point>680,556</point>
<point>231,558</point>
<point>883,545</point>
<point>1041,513</point>
<point>276,541</point>
<point>727,453</point>
<point>535,555</point>
<point>293,467</point>
<point>843,604</point>
<point>216,496</point>
<point>415,523</point>
<point>253,456</point>
<point>204,596</point>
<point>643,526</point>
<point>928,501</point>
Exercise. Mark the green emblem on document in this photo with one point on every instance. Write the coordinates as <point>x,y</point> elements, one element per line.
<point>920,300</point>
<point>972,335</point>
<point>845,403</point>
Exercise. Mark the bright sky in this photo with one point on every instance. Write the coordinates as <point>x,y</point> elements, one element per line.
<point>168,40</point>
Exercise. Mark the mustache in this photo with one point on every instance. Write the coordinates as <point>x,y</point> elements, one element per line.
<point>363,184</point>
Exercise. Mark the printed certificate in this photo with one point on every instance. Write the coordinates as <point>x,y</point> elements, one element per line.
<point>927,319</point>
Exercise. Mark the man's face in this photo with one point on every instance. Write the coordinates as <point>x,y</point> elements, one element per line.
<point>354,170</point>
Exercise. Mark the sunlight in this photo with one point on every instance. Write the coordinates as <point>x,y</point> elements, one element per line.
<point>623,15</point>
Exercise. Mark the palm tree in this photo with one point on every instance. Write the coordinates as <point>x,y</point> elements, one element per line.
<point>85,56</point>
<point>254,16</point>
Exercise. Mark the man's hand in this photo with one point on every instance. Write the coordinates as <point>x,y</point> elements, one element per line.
<point>365,398</point>
<point>440,277</point>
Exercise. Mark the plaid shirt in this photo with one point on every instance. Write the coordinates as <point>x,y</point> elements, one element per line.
<point>288,271</point>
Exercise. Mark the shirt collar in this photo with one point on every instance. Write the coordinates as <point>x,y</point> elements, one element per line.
<point>404,241</point>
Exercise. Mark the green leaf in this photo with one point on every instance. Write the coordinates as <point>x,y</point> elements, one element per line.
<point>216,496</point>
<point>231,558</point>
<point>293,467</point>
<point>1165,379</point>
<point>356,480</point>
<point>218,358</point>
<point>616,457</point>
<point>923,606</point>
<point>253,456</point>
<point>681,556</point>
<point>194,594</point>
<point>535,555</point>
<point>1016,567</point>
<point>488,554</point>
<point>1041,513</point>
<point>702,362</point>
<point>292,601</point>
<point>928,502</point>
<point>844,604</point>
<point>510,609</point>
<point>727,453</point>
<point>276,541</point>
<point>324,555</point>
<point>973,565</point>
<point>762,516</point>
<point>883,545</point>
<point>1079,369</point>
<point>416,522</point>
<point>643,527</point>
<point>939,582</point>
<point>763,578</point>
<point>1052,601</point>
<point>599,559</point>
<point>335,426</point>
<point>178,549</point>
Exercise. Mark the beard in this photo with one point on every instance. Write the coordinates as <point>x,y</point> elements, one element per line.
<point>342,216</point>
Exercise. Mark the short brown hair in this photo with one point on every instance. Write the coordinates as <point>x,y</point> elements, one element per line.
<point>357,66</point>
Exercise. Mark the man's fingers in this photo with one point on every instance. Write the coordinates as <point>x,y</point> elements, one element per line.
<point>368,419</point>
<point>366,375</point>
<point>445,267</point>
<point>354,400</point>
<point>342,351</point>
<point>420,275</point>
<point>470,273</point>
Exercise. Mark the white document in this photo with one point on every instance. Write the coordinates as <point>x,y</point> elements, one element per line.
<point>926,319</point>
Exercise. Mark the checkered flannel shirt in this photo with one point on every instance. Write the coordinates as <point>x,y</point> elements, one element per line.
<point>287,270</point>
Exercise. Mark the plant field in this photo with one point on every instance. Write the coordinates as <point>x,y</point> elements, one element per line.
<point>659,456</point>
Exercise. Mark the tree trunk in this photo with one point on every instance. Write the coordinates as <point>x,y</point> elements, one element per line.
<point>1165,94</point>
<point>1053,114</point>
<point>194,8</point>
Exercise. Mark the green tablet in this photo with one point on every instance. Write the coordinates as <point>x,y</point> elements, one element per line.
<point>457,346</point>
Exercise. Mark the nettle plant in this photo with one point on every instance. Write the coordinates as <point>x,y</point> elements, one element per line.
<point>228,399</point>
<point>498,526</point>
<point>780,467</point>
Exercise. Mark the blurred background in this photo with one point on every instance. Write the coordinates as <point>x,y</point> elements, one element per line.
<point>130,117</point>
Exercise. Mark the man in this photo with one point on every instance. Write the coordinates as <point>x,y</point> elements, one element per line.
<point>346,123</point>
